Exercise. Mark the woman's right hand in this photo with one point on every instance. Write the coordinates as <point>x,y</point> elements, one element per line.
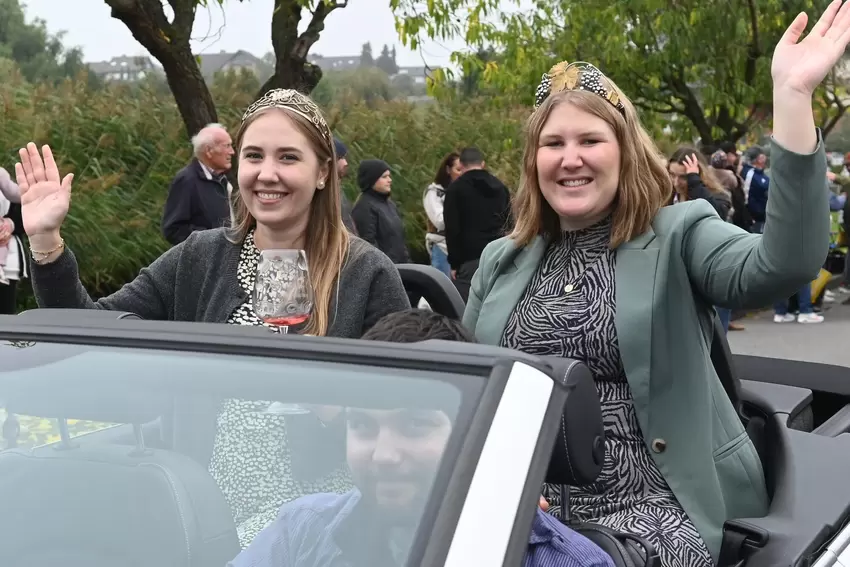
<point>691,164</point>
<point>45,199</point>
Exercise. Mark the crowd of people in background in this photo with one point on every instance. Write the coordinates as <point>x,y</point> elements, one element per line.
<point>466,208</point>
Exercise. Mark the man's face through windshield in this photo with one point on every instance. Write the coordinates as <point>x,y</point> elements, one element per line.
<point>393,456</point>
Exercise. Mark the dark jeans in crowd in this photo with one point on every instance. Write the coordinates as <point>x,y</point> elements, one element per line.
<point>845,283</point>
<point>463,278</point>
<point>804,302</point>
<point>8,297</point>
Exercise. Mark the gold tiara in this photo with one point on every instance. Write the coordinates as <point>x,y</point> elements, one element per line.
<point>293,101</point>
<point>577,76</point>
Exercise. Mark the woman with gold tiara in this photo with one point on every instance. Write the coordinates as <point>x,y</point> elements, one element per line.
<point>288,198</point>
<point>599,269</point>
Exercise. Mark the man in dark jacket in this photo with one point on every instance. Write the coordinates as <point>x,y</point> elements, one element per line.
<point>199,197</point>
<point>342,171</point>
<point>477,211</point>
<point>756,186</point>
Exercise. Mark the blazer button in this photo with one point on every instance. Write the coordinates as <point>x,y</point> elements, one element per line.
<point>659,445</point>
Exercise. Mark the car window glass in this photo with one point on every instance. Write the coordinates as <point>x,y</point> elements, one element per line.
<point>256,444</point>
<point>29,431</point>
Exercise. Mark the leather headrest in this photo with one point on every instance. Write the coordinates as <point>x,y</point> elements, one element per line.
<point>103,409</point>
<point>31,388</point>
<point>438,290</point>
<point>579,450</point>
<point>106,407</point>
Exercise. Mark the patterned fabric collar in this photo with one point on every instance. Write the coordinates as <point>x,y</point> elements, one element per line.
<point>249,258</point>
<point>594,236</point>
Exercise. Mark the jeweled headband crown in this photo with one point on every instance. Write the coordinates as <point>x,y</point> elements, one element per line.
<point>577,76</point>
<point>292,101</point>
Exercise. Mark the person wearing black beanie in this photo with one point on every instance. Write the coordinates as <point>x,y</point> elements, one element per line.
<point>375,215</point>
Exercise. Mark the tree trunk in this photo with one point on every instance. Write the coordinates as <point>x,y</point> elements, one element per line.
<point>289,74</point>
<point>169,42</point>
<point>190,91</point>
<point>827,128</point>
<point>292,70</point>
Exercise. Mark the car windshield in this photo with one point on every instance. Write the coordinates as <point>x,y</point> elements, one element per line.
<point>113,448</point>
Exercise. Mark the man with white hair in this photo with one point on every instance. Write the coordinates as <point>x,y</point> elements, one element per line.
<point>199,197</point>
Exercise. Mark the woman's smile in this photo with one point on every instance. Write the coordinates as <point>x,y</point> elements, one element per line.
<point>270,197</point>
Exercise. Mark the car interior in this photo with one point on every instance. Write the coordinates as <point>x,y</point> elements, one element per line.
<point>140,507</point>
<point>125,494</point>
<point>796,412</point>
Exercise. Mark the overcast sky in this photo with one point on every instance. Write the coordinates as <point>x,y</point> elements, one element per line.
<point>239,25</point>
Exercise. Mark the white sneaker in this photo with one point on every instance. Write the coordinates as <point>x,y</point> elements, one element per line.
<point>809,318</point>
<point>787,318</point>
<point>828,296</point>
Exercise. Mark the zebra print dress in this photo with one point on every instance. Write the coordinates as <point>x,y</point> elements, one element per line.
<point>630,494</point>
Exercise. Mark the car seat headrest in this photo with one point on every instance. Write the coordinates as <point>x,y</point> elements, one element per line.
<point>579,450</point>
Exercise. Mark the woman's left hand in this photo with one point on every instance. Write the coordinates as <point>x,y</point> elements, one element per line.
<point>802,66</point>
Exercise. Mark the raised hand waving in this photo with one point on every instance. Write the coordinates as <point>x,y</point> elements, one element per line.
<point>802,65</point>
<point>45,199</point>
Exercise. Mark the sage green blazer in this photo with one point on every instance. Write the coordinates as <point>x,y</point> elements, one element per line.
<point>668,280</point>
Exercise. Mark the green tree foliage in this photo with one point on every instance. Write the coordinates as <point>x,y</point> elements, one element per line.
<point>831,102</point>
<point>706,62</point>
<point>839,140</point>
<point>366,57</point>
<point>39,55</point>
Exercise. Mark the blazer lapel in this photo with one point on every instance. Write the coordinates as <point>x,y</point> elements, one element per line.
<point>510,277</point>
<point>635,280</point>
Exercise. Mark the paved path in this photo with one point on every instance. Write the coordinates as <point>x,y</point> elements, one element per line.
<point>827,342</point>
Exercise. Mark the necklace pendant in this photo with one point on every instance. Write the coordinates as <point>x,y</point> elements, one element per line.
<point>568,288</point>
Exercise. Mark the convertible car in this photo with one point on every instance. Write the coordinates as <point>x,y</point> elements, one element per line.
<point>109,422</point>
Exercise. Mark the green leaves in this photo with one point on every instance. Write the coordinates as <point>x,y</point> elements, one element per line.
<point>39,54</point>
<point>707,62</point>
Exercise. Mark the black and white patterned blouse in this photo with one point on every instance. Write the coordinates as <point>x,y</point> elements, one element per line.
<point>251,459</point>
<point>630,495</point>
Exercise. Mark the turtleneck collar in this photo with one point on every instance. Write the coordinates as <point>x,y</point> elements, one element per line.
<point>594,236</point>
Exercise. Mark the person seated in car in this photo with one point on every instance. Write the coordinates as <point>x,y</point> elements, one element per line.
<point>288,198</point>
<point>393,480</point>
<point>600,270</point>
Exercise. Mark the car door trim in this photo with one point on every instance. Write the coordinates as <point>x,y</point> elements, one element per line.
<point>487,521</point>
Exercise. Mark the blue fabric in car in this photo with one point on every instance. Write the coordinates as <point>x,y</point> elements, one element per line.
<point>321,530</point>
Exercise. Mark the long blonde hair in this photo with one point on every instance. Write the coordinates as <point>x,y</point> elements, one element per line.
<point>644,184</point>
<point>327,242</point>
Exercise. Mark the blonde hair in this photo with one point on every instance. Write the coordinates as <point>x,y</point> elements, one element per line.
<point>644,184</point>
<point>327,242</point>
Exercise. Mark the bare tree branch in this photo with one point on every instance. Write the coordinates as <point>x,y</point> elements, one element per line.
<point>317,24</point>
